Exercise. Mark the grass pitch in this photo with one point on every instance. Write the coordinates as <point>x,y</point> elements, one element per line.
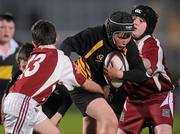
<point>72,123</point>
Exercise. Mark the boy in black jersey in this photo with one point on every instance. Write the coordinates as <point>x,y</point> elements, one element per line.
<point>93,44</point>
<point>8,50</point>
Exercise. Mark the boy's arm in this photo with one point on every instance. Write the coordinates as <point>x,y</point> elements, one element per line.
<point>92,86</point>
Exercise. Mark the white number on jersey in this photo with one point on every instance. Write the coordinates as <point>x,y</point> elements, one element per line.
<point>37,59</point>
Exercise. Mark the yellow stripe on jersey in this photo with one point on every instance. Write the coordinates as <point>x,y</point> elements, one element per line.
<point>125,51</point>
<point>98,45</point>
<point>84,67</point>
<point>6,72</point>
<point>82,64</point>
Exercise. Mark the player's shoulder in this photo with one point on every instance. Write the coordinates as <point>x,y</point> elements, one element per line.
<point>60,52</point>
<point>151,40</point>
<point>62,56</point>
<point>97,30</point>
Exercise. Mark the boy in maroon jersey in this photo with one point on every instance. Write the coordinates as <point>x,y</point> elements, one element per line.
<point>46,67</point>
<point>58,102</point>
<point>152,100</point>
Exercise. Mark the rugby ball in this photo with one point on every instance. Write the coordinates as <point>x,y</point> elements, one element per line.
<point>121,62</point>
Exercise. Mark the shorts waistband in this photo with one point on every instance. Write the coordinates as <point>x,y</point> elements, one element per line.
<point>20,96</point>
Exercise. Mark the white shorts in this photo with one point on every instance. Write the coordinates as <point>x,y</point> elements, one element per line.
<point>21,113</point>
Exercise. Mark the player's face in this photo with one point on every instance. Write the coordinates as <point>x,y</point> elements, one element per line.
<point>121,39</point>
<point>7,29</point>
<point>139,26</point>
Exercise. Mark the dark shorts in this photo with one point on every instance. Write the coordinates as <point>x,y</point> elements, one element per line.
<point>116,101</point>
<point>81,98</point>
<point>59,101</point>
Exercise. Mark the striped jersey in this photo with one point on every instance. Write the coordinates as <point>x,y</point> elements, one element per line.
<point>160,80</point>
<point>46,67</point>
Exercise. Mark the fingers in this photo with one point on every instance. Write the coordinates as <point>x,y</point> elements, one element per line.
<point>105,70</point>
<point>114,65</point>
<point>106,73</point>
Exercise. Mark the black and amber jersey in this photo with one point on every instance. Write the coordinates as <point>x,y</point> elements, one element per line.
<point>92,45</point>
<point>8,67</point>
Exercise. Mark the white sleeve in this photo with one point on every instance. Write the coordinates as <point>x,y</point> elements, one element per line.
<point>68,76</point>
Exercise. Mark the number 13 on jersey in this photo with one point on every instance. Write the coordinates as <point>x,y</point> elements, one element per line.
<point>35,60</point>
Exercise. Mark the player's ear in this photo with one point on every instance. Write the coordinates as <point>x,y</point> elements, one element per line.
<point>34,44</point>
<point>57,39</point>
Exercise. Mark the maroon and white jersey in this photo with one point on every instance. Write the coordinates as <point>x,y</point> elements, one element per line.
<point>46,67</point>
<point>160,80</point>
